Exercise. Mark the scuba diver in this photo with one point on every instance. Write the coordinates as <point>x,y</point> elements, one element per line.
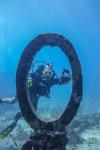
<point>43,79</point>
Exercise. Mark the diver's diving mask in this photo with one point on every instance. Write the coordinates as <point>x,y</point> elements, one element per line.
<point>47,73</point>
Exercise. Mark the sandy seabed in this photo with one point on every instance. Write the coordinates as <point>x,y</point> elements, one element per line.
<point>83,132</point>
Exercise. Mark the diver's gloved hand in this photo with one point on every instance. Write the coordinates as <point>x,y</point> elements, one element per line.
<point>65,77</point>
<point>48,93</point>
<point>48,96</point>
<point>66,73</point>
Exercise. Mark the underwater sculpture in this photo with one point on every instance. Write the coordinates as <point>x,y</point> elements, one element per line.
<point>48,135</point>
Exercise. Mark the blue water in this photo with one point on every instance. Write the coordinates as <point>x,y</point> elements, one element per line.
<point>79,21</point>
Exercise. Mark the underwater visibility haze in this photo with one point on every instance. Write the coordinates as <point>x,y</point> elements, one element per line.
<point>79,21</point>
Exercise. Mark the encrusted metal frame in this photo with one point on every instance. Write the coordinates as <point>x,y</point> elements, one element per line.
<point>49,39</point>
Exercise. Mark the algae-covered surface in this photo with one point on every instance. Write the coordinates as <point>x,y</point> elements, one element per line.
<point>83,132</point>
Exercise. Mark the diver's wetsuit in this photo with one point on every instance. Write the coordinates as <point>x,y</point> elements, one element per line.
<point>42,87</point>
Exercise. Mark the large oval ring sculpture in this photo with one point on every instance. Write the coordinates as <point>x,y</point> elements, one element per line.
<point>49,39</point>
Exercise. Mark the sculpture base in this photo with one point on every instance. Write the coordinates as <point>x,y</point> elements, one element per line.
<point>47,140</point>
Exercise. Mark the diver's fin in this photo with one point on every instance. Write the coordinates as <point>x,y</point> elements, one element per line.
<point>10,128</point>
<point>6,131</point>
